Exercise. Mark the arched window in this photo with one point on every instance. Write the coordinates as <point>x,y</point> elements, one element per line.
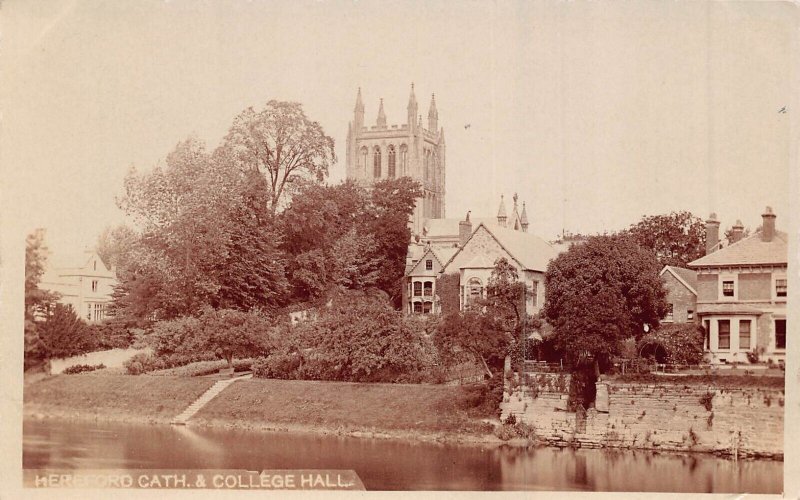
<point>364,154</point>
<point>474,289</point>
<point>391,162</point>
<point>403,161</point>
<point>428,289</point>
<point>376,163</point>
<point>417,289</point>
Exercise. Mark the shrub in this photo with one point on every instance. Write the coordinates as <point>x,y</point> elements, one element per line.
<point>511,419</point>
<point>505,432</point>
<point>111,334</point>
<point>82,368</point>
<point>682,343</point>
<point>524,430</point>
<point>279,365</point>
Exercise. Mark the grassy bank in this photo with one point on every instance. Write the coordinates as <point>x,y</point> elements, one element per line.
<point>343,407</point>
<point>380,410</point>
<point>117,397</point>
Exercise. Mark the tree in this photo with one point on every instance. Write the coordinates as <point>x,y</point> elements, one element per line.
<point>63,334</point>
<point>728,235</point>
<point>600,293</point>
<point>37,301</point>
<point>282,144</point>
<point>678,343</point>
<point>676,238</point>
<point>230,333</point>
<point>115,244</point>
<point>206,240</point>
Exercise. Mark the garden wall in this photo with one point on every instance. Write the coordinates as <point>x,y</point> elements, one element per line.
<point>745,421</point>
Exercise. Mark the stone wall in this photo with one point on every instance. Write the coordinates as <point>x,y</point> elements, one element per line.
<point>667,416</point>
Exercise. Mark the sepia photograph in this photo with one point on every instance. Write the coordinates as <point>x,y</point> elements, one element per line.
<point>406,245</point>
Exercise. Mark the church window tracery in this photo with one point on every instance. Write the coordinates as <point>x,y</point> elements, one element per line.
<point>376,163</point>
<point>392,159</point>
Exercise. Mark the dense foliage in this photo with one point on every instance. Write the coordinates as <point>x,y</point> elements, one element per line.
<point>676,238</point>
<point>682,343</point>
<point>448,293</point>
<point>600,293</point>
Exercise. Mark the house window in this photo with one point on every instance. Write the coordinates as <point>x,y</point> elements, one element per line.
<point>689,314</point>
<point>417,289</point>
<point>428,289</point>
<point>376,163</point>
<point>426,307</point>
<point>724,326</point>
<point>727,288</point>
<point>780,334</point>
<point>707,338</point>
<point>475,289</point>
<point>429,265</point>
<point>670,313</point>
<point>744,334</point>
<point>780,287</point>
<point>392,158</point>
<point>417,307</point>
<point>94,285</point>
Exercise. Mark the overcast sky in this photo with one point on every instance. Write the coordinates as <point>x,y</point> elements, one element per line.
<point>595,113</point>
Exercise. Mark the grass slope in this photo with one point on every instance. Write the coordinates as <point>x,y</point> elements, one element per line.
<point>121,397</point>
<point>342,406</point>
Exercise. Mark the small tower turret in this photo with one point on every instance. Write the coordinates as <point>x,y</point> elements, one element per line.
<point>412,108</point>
<point>501,213</point>
<point>523,218</point>
<point>359,114</point>
<point>433,115</point>
<point>381,116</point>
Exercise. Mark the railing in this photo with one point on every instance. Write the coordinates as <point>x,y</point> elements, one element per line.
<point>543,367</point>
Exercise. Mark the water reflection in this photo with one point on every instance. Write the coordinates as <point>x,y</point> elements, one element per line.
<point>388,465</point>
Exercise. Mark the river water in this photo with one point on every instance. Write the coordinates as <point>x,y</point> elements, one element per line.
<point>388,464</point>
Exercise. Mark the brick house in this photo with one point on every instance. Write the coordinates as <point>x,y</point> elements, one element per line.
<point>681,286</point>
<point>741,292</point>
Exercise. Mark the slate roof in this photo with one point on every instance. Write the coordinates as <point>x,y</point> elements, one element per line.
<point>722,308</point>
<point>688,276</point>
<point>748,251</point>
<point>449,227</point>
<point>530,250</point>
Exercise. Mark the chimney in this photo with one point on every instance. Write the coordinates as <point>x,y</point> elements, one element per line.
<point>464,231</point>
<point>712,233</point>
<point>737,231</point>
<point>767,225</point>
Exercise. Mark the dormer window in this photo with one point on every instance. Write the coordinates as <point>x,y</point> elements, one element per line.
<point>429,265</point>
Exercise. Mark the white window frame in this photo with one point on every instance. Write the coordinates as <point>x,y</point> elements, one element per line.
<point>728,277</point>
<point>774,340</point>
<point>774,293</point>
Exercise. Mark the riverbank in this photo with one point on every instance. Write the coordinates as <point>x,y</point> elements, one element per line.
<point>392,411</point>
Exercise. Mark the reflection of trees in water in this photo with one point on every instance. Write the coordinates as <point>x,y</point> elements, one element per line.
<point>581,476</point>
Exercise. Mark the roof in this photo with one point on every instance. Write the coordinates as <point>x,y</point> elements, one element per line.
<point>440,254</point>
<point>685,276</point>
<point>749,251</point>
<point>449,227</point>
<point>722,308</point>
<point>530,251</point>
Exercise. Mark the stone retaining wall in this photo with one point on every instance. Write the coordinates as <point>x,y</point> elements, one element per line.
<point>668,416</point>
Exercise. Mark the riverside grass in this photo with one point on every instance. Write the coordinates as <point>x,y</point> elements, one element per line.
<point>391,410</point>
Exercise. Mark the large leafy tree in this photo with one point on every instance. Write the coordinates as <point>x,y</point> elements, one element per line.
<point>206,238</point>
<point>37,300</point>
<point>281,143</point>
<point>115,244</point>
<point>229,334</point>
<point>676,238</point>
<point>600,293</point>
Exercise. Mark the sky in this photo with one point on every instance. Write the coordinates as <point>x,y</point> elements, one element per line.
<point>594,113</point>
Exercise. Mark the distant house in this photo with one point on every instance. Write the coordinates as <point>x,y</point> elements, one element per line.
<point>681,286</point>
<point>421,280</point>
<point>475,260</point>
<point>742,290</point>
<point>87,287</point>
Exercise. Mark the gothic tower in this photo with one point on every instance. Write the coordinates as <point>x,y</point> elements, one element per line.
<point>386,151</point>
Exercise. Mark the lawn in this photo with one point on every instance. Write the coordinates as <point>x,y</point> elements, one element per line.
<point>343,406</point>
<point>96,394</point>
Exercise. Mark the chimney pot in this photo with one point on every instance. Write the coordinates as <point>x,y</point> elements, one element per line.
<point>737,231</point>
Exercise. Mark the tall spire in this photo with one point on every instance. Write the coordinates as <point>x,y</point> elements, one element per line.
<point>523,218</point>
<point>381,116</point>
<point>412,108</point>
<point>359,114</point>
<point>501,212</point>
<point>433,115</point>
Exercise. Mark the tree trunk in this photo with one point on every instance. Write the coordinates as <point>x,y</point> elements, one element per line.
<point>486,367</point>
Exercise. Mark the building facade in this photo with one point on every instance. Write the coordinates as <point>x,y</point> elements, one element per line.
<point>742,291</point>
<point>681,286</point>
<point>383,151</point>
<point>86,287</point>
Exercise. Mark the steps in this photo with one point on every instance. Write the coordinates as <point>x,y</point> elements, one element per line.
<point>207,396</point>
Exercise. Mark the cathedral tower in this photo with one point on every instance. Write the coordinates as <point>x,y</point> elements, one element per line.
<point>386,151</point>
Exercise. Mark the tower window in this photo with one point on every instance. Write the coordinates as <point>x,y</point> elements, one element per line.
<point>392,159</point>
<point>376,163</point>
<point>403,156</point>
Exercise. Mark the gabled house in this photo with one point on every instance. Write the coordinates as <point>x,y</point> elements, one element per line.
<point>421,280</point>
<point>681,286</point>
<point>475,260</point>
<point>87,287</point>
<point>742,291</point>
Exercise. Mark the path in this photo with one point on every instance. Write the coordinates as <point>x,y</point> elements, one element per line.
<point>207,396</point>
